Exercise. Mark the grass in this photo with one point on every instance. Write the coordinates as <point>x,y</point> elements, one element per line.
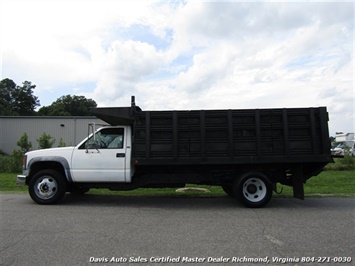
<point>8,183</point>
<point>328,183</point>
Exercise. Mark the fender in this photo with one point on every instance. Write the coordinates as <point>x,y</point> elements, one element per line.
<point>57,159</point>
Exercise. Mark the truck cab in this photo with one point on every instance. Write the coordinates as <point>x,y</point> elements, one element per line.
<point>104,156</point>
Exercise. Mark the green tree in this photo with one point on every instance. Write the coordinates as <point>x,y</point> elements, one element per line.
<point>6,102</point>
<point>46,141</point>
<point>68,106</point>
<point>17,100</point>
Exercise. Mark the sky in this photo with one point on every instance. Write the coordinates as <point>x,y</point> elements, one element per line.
<point>185,55</point>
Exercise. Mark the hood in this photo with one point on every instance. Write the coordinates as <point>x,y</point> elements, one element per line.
<point>51,151</point>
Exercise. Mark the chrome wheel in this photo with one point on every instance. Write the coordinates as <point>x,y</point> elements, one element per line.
<point>46,187</point>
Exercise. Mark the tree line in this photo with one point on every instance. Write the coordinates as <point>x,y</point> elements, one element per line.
<point>18,100</point>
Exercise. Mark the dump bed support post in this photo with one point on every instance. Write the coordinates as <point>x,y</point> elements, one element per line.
<point>230,135</point>
<point>175,135</point>
<point>297,182</point>
<point>203,134</point>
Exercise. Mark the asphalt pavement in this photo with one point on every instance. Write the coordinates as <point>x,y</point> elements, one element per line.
<point>128,230</point>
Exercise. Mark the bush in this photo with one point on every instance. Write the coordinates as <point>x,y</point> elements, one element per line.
<point>45,141</point>
<point>4,163</point>
<point>13,163</point>
<point>24,144</point>
<point>10,164</point>
<point>17,160</point>
<point>61,143</point>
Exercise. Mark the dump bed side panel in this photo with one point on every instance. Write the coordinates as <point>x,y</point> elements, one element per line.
<point>288,135</point>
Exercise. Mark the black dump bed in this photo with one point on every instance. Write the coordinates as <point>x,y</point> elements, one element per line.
<point>285,135</point>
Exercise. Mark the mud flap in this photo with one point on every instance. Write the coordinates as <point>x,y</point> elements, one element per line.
<point>297,182</point>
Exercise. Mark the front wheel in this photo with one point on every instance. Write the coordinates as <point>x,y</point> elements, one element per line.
<point>47,187</point>
<point>254,190</point>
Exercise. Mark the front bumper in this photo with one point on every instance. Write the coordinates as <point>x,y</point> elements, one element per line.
<point>21,180</point>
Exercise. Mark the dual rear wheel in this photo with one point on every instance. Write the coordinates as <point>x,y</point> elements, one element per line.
<point>252,189</point>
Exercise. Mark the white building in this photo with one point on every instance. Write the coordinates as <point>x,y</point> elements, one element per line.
<point>344,137</point>
<point>68,128</point>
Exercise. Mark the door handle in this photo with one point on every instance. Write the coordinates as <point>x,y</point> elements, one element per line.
<point>120,155</point>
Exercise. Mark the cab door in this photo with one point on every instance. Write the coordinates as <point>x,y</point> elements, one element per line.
<point>102,157</point>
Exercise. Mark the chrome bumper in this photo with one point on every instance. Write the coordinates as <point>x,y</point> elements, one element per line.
<point>21,180</point>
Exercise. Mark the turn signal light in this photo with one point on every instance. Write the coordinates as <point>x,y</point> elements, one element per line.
<point>24,161</point>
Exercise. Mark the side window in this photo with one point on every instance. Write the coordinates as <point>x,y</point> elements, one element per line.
<point>108,138</point>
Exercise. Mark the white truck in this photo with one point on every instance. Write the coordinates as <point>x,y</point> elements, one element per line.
<point>247,152</point>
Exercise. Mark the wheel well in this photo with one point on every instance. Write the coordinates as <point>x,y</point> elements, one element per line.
<point>39,166</point>
<point>270,174</point>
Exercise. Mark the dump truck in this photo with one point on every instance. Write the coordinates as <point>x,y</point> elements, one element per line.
<point>245,151</point>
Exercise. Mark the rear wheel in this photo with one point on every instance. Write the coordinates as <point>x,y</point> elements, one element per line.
<point>47,187</point>
<point>253,189</point>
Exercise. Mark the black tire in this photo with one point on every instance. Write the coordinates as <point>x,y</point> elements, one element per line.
<point>47,187</point>
<point>253,189</point>
<point>228,189</point>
